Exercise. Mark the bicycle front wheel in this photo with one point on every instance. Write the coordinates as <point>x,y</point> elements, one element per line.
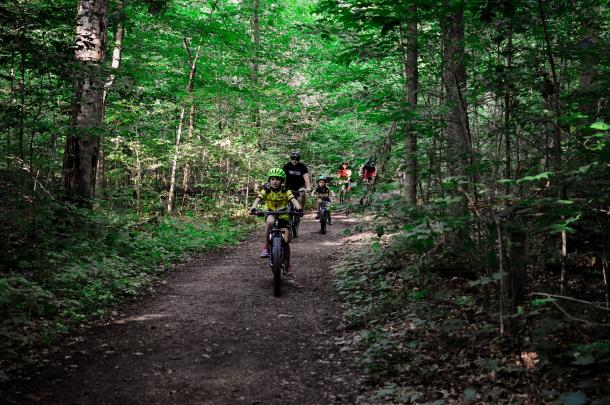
<point>295,226</point>
<point>323,221</point>
<point>277,260</point>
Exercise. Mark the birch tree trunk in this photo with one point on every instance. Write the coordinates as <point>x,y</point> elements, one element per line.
<point>189,90</point>
<point>87,112</point>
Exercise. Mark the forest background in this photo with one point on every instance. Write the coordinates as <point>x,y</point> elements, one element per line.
<point>141,139</point>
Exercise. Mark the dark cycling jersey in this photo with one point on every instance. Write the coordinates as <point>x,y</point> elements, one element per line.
<point>322,191</point>
<point>294,175</point>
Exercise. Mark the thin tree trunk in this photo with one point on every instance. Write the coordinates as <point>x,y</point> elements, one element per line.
<point>557,138</point>
<point>556,107</point>
<point>187,166</point>
<point>119,33</point>
<point>254,62</point>
<point>507,107</point>
<point>172,184</point>
<point>189,89</point>
<point>21,105</point>
<point>138,179</point>
<point>82,142</point>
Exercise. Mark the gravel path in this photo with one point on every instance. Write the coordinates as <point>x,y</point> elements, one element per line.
<point>215,334</point>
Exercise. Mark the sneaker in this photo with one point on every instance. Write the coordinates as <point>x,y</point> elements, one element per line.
<point>289,274</point>
<point>265,252</point>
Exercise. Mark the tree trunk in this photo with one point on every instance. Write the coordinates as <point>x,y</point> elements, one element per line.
<point>189,89</point>
<point>254,62</point>
<point>138,178</point>
<point>82,142</point>
<point>411,84</point>
<point>557,138</point>
<point>22,105</point>
<point>454,80</point>
<point>100,178</point>
<point>507,107</point>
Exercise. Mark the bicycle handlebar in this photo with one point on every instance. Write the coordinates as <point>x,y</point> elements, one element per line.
<point>281,212</point>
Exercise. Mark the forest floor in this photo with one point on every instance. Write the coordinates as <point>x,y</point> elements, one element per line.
<point>213,333</point>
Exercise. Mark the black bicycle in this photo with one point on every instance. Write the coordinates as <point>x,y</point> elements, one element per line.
<point>343,191</point>
<point>324,214</point>
<point>295,220</point>
<point>277,244</point>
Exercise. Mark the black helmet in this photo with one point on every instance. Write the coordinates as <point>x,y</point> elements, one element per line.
<point>295,155</point>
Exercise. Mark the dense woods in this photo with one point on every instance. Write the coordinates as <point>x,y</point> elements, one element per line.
<point>137,131</point>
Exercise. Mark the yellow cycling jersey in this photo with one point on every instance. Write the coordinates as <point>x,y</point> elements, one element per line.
<point>276,200</point>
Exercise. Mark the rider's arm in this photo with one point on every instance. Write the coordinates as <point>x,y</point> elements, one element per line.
<point>296,204</point>
<point>255,203</point>
<point>307,183</point>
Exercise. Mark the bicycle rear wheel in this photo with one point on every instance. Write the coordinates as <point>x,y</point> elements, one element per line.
<point>277,259</point>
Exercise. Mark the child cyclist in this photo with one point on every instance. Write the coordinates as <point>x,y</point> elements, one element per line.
<point>323,193</point>
<point>276,197</point>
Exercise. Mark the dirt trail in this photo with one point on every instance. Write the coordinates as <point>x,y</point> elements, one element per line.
<point>215,334</point>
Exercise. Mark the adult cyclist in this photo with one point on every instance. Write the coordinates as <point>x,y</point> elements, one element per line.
<point>297,177</point>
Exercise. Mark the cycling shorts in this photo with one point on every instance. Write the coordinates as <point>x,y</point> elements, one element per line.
<point>283,222</point>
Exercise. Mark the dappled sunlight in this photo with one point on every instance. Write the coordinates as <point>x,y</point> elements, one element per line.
<point>332,243</point>
<point>140,318</point>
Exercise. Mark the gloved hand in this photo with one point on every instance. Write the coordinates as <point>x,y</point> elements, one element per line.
<point>252,211</point>
<point>266,186</point>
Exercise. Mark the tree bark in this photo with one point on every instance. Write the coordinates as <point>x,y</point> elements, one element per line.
<point>454,80</point>
<point>82,142</point>
<point>507,107</point>
<point>411,84</point>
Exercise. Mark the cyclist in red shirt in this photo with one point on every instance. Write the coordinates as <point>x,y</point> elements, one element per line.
<point>344,176</point>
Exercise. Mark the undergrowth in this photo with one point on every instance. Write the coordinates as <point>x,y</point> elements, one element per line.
<point>426,319</point>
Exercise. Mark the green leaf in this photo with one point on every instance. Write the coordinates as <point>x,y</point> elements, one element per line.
<point>540,176</point>
<point>600,126</point>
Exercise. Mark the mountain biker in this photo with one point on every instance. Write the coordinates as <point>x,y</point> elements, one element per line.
<point>368,171</point>
<point>276,197</point>
<point>297,177</point>
<point>344,176</point>
<point>323,193</point>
